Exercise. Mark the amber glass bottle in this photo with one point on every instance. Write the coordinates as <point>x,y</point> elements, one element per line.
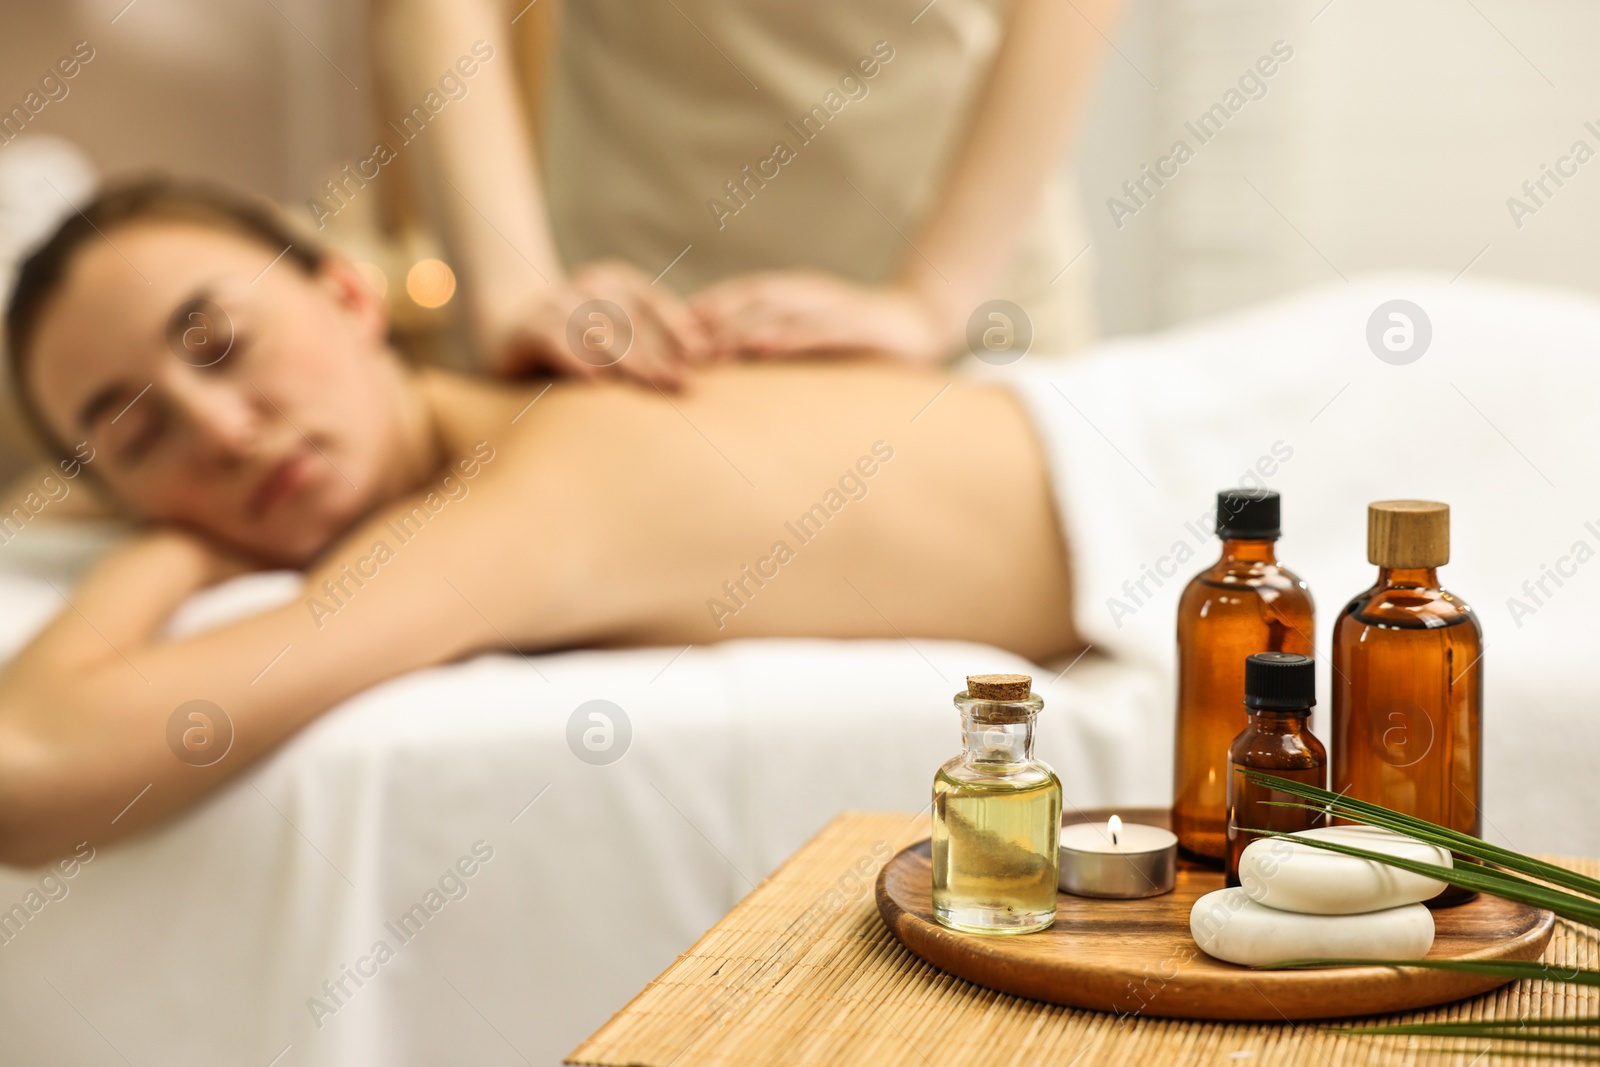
<point>1279,690</point>
<point>1242,604</point>
<point>1408,680</point>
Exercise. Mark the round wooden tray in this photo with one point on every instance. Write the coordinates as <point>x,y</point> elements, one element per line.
<point>1136,957</point>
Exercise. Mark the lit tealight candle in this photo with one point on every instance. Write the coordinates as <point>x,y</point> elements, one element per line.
<point>1124,860</point>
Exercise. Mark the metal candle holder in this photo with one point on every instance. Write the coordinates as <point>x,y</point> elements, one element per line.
<point>1116,861</point>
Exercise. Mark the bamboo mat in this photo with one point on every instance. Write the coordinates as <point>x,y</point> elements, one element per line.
<point>802,972</point>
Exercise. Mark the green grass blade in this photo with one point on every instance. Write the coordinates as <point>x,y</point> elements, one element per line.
<point>1456,841</point>
<point>1475,848</point>
<point>1530,1031</point>
<point>1582,1041</point>
<point>1479,879</point>
<point>1525,970</point>
<point>1487,1051</point>
<point>1344,804</point>
<point>1547,872</point>
<point>1464,843</point>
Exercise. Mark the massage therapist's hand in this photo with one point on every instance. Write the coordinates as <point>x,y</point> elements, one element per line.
<point>658,337</point>
<point>799,313</point>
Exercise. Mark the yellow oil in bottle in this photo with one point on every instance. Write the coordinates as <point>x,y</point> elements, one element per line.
<point>996,816</point>
<point>995,852</point>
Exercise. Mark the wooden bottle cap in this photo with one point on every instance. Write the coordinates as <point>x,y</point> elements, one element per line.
<point>1408,533</point>
<point>999,686</point>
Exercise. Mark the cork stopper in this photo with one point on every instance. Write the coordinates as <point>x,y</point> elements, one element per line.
<point>1408,533</point>
<point>999,686</point>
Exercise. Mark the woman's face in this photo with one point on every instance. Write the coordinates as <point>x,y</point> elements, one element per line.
<point>220,391</point>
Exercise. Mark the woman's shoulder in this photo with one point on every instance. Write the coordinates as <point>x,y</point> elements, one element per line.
<point>466,408</point>
<point>469,410</point>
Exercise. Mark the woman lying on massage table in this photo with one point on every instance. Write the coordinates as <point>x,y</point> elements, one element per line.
<point>437,516</point>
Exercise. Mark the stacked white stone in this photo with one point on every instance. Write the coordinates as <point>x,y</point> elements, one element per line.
<point>1297,901</point>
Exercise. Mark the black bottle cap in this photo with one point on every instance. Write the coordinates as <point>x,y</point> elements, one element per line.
<point>1280,681</point>
<point>1247,514</point>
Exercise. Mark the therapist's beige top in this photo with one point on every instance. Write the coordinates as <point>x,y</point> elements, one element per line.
<point>778,134</point>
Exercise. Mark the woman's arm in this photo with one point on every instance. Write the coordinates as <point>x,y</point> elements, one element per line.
<point>1021,124</point>
<point>84,709</point>
<point>1014,143</point>
<point>489,202</point>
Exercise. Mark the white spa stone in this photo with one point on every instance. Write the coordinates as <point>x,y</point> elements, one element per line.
<point>1284,874</point>
<point>1229,925</point>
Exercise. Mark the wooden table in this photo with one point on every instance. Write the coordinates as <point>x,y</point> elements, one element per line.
<point>803,972</point>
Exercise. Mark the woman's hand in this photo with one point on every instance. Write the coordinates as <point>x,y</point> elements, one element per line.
<point>126,598</point>
<point>174,561</point>
<point>605,318</point>
<point>797,313</point>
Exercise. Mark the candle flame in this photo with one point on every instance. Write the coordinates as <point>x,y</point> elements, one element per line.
<point>1114,827</point>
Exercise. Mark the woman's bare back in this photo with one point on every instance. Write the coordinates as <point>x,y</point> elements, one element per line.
<point>822,499</point>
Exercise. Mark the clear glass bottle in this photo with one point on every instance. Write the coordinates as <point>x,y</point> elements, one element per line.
<point>1279,691</point>
<point>1408,680</point>
<point>1242,604</point>
<point>996,816</point>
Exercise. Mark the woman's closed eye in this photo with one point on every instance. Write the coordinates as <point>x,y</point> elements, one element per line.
<point>202,333</point>
<point>134,434</point>
<point>230,358</point>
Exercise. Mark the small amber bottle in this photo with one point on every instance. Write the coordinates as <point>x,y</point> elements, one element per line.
<point>1279,690</point>
<point>996,816</point>
<point>1408,680</point>
<point>1242,604</point>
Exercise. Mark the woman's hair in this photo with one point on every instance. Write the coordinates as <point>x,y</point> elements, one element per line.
<point>151,199</point>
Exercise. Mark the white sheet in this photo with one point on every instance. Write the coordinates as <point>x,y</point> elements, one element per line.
<point>203,942</point>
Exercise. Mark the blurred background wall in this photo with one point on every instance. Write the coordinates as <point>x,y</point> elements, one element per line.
<point>1391,138</point>
<point>239,90</point>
